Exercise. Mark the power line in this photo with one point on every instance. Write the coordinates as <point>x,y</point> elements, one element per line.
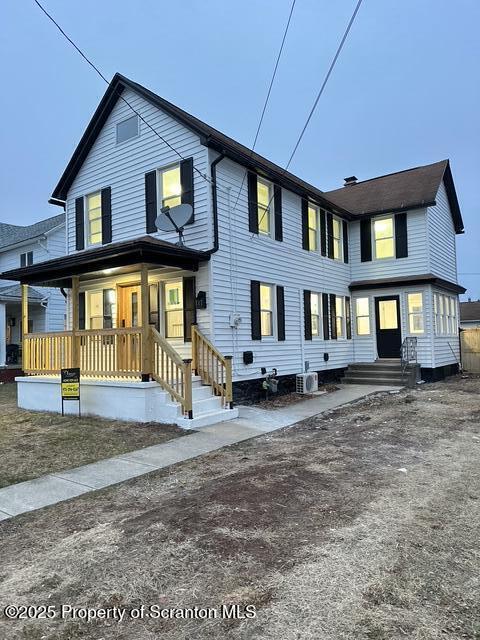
<point>266,99</point>
<point>324,83</point>
<point>97,70</point>
<point>319,95</point>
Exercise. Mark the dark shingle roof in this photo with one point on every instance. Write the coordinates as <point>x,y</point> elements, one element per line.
<point>12,234</point>
<point>470,311</point>
<point>409,189</point>
<point>14,292</point>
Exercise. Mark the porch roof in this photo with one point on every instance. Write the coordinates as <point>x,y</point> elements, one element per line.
<point>427,278</point>
<point>58,272</point>
<point>13,293</point>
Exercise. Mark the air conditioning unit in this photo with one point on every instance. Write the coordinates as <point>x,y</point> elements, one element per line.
<point>307,382</point>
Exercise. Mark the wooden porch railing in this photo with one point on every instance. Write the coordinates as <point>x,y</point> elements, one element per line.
<point>112,353</point>
<point>171,372</point>
<point>47,352</point>
<point>213,368</point>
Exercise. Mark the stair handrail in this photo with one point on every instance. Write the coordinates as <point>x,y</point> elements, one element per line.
<point>214,368</point>
<point>172,373</point>
<point>408,353</point>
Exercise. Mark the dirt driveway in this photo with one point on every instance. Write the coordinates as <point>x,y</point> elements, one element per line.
<point>362,524</point>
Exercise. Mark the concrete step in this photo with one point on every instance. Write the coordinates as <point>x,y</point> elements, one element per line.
<point>376,381</point>
<point>201,392</point>
<point>206,419</point>
<point>207,405</point>
<point>373,366</point>
<point>373,373</point>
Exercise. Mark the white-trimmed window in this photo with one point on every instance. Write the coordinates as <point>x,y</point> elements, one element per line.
<point>264,206</point>
<point>315,313</point>
<point>445,314</point>
<point>169,186</point>
<point>362,316</point>
<point>383,231</point>
<point>313,227</point>
<point>173,292</point>
<point>26,259</point>
<point>266,309</point>
<point>415,312</point>
<point>340,316</point>
<point>93,217</point>
<point>337,239</point>
<point>128,129</point>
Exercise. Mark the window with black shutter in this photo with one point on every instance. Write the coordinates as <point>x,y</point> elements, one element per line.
<point>365,240</point>
<point>280,313</point>
<point>333,316</point>
<point>79,224</point>
<point>348,318</point>
<point>326,322</point>
<point>106,206</point>
<point>307,314</point>
<point>189,307</point>
<point>255,310</point>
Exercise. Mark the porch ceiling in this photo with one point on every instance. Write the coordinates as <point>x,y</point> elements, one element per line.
<point>145,250</point>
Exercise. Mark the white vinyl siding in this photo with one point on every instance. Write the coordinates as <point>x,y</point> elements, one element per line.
<point>123,167</point>
<point>441,238</point>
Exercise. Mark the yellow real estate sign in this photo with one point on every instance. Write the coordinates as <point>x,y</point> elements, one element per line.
<point>70,383</point>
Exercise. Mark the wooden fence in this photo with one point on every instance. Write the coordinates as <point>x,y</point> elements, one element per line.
<point>470,345</point>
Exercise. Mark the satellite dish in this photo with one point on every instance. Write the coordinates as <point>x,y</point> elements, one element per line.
<point>174,219</point>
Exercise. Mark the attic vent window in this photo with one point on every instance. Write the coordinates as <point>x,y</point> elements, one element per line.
<point>127,129</point>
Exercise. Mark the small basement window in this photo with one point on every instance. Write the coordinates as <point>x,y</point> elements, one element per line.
<point>128,129</point>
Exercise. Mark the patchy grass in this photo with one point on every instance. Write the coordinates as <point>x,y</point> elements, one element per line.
<point>359,524</point>
<point>34,443</point>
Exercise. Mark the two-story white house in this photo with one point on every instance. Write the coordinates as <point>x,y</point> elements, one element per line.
<point>23,246</point>
<point>274,274</point>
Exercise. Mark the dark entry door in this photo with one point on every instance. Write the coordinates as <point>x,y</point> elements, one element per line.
<point>389,333</point>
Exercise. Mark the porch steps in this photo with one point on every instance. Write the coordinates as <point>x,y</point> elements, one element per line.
<point>207,408</point>
<point>381,372</point>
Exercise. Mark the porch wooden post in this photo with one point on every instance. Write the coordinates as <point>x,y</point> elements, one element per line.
<point>75,322</point>
<point>146,346</point>
<point>25,354</point>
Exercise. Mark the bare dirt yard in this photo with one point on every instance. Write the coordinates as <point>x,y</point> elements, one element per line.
<point>33,444</point>
<point>360,524</point>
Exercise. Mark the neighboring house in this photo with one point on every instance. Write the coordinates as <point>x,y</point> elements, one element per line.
<point>23,246</point>
<point>470,314</point>
<point>274,272</point>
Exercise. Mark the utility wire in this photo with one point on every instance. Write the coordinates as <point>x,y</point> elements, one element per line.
<point>319,95</point>
<point>267,98</point>
<point>85,57</point>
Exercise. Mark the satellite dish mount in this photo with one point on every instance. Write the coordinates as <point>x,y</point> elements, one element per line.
<point>174,219</point>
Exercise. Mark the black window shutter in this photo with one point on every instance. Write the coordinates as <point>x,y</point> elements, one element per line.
<point>323,233</point>
<point>252,203</point>
<point>255,309</point>
<point>280,313</point>
<point>401,239</point>
<point>307,314</point>
<point>189,307</point>
<point>23,259</point>
<point>79,224</point>
<point>366,240</point>
<point>333,316</point>
<point>305,238</point>
<point>186,180</point>
<point>81,310</point>
<point>345,241</point>
<point>326,324</point>
<point>151,200</point>
<point>277,206</point>
<point>330,235</point>
<point>348,318</point>
<point>108,297</point>
<point>106,215</point>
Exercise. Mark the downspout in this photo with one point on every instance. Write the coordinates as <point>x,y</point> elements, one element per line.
<point>213,173</point>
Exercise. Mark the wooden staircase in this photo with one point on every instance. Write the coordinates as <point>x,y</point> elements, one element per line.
<point>382,372</point>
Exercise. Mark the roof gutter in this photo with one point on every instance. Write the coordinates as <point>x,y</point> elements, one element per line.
<point>213,174</point>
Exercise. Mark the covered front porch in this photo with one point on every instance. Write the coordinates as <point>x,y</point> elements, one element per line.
<point>132,324</point>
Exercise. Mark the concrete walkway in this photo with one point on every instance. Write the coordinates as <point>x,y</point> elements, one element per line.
<point>252,422</point>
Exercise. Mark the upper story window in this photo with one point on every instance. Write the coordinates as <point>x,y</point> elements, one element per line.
<point>337,239</point>
<point>383,230</point>
<point>264,208</point>
<point>26,259</point>
<point>266,309</point>
<point>170,186</point>
<point>127,129</point>
<point>415,312</point>
<point>313,227</point>
<point>362,314</point>
<point>93,215</point>
<point>315,313</point>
